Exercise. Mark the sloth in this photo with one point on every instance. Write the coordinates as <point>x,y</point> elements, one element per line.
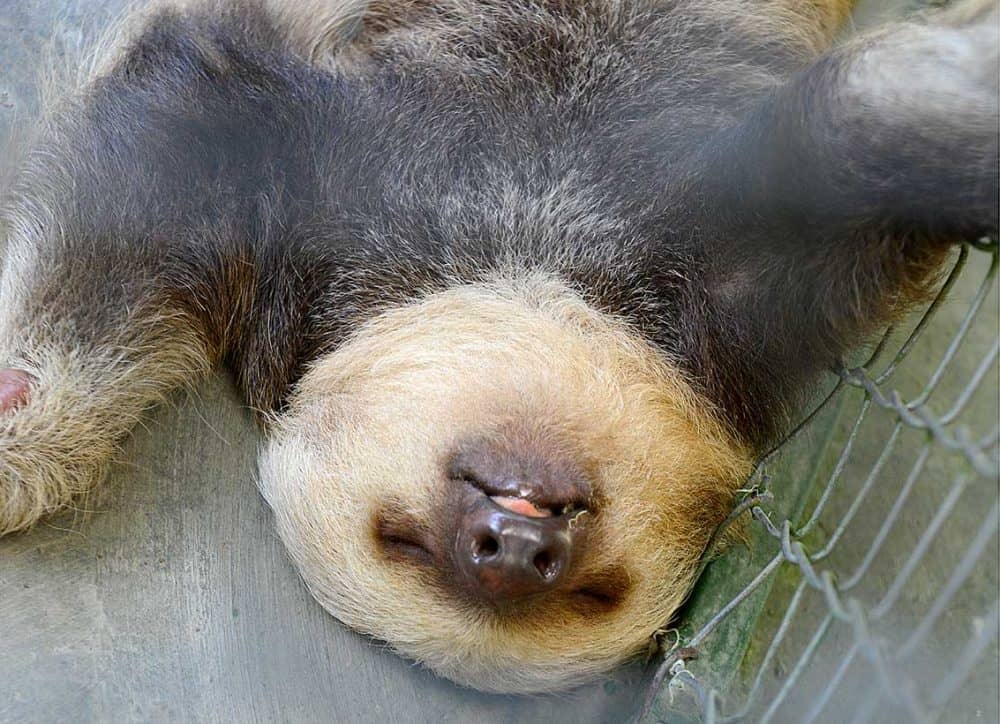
<point>518,289</point>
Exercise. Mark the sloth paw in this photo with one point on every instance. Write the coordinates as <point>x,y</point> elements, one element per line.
<point>53,448</point>
<point>15,389</point>
<point>970,12</point>
<point>946,65</point>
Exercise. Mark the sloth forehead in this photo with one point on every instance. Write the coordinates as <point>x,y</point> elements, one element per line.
<point>523,352</point>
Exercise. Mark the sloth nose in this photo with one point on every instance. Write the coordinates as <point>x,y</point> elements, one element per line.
<point>504,556</point>
<point>518,499</point>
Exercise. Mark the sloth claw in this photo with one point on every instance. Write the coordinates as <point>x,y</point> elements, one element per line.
<point>15,389</point>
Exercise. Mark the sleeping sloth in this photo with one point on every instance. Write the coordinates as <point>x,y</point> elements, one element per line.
<point>518,288</point>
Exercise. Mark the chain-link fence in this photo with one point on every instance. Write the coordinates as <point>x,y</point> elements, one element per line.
<point>868,589</point>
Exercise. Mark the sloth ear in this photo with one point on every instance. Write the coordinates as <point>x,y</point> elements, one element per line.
<point>832,204</point>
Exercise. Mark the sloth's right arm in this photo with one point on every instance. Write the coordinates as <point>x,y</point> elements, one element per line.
<point>829,208</point>
<point>129,258</point>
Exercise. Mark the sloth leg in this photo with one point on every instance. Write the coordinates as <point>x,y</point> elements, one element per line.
<point>88,340</point>
<point>128,253</point>
<point>831,206</point>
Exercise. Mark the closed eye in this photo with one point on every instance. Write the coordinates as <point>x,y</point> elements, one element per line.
<point>405,547</point>
<point>400,537</point>
<point>597,598</point>
<point>602,592</point>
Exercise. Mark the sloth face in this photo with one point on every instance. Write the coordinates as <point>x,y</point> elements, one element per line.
<point>500,482</point>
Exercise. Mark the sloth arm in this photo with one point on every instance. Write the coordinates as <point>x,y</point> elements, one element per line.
<point>832,205</point>
<point>136,233</point>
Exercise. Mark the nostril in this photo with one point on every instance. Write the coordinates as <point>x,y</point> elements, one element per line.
<point>485,547</point>
<point>545,564</point>
<point>501,556</point>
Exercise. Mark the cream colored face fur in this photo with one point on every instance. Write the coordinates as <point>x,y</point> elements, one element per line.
<point>372,424</point>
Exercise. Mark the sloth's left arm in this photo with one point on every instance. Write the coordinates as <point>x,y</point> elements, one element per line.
<point>833,204</point>
<point>134,237</point>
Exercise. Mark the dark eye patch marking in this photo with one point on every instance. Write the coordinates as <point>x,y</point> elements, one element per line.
<point>401,537</point>
<point>600,593</point>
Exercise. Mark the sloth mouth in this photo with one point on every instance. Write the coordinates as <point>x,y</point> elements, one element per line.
<point>509,526</point>
<point>544,499</point>
<point>524,473</point>
<point>402,536</point>
<point>507,550</point>
<point>515,532</point>
<point>525,507</point>
<point>521,506</point>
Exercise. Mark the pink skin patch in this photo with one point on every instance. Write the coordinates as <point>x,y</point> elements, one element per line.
<point>521,507</point>
<point>15,389</point>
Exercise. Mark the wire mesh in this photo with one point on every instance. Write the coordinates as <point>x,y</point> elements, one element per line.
<point>874,594</point>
